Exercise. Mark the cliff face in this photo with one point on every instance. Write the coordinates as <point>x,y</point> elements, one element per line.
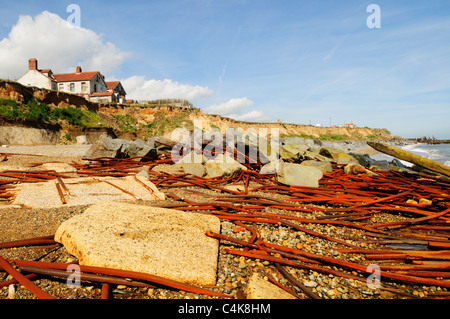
<point>196,118</point>
<point>143,121</point>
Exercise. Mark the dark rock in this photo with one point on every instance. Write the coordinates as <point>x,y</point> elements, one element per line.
<point>120,148</point>
<point>363,159</point>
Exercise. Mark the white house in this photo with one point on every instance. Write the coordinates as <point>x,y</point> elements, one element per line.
<point>91,85</point>
<point>114,93</point>
<point>39,78</point>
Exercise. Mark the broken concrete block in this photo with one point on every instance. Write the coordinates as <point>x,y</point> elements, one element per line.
<point>223,166</point>
<point>344,159</point>
<point>58,167</point>
<point>85,191</point>
<point>81,139</point>
<point>292,148</point>
<point>355,169</point>
<point>300,175</point>
<point>325,167</point>
<point>193,164</point>
<point>159,241</point>
<point>260,288</point>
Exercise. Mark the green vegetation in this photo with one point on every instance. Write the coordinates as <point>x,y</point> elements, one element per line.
<point>68,137</point>
<point>333,137</point>
<point>163,123</point>
<point>34,110</point>
<point>126,122</point>
<point>31,111</point>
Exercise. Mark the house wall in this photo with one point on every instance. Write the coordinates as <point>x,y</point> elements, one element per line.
<point>65,87</point>
<point>89,88</point>
<point>99,82</point>
<point>36,78</point>
<point>98,99</point>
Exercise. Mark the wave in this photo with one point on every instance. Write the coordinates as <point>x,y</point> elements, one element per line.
<point>437,152</point>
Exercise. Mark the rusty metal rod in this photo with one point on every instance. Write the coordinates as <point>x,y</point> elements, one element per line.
<point>105,291</point>
<point>29,242</point>
<point>14,281</point>
<point>60,193</point>
<point>84,276</point>
<point>119,188</point>
<point>129,274</point>
<point>294,281</point>
<point>24,280</point>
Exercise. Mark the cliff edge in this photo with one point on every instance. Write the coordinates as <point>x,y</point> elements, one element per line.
<point>63,116</point>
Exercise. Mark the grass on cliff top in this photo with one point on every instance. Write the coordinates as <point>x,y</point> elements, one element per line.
<point>162,123</point>
<point>35,111</point>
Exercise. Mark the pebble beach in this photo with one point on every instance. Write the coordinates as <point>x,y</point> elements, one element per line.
<point>233,271</point>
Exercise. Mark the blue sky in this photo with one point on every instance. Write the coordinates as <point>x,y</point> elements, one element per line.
<point>299,61</point>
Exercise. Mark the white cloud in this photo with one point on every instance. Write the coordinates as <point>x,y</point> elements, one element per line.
<point>232,106</point>
<point>139,88</point>
<point>61,46</point>
<point>252,116</point>
<point>57,44</point>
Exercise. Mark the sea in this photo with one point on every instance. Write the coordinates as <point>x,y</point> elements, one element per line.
<point>437,152</point>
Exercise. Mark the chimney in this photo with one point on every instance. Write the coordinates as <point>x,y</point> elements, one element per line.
<point>32,64</point>
<point>78,69</point>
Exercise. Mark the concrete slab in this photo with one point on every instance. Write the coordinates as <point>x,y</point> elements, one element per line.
<point>260,288</point>
<point>158,241</point>
<point>85,191</point>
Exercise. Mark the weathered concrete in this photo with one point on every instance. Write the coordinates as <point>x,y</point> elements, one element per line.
<point>223,166</point>
<point>84,191</point>
<point>164,242</point>
<point>300,175</point>
<point>325,167</point>
<point>292,149</point>
<point>260,288</point>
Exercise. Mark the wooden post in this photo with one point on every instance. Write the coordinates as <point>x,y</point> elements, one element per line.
<point>407,156</point>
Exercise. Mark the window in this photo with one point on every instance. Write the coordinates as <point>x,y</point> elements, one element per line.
<point>95,87</point>
<point>72,87</point>
<point>83,86</point>
<point>61,87</point>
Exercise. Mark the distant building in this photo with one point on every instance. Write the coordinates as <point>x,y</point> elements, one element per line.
<point>114,93</point>
<point>350,125</point>
<point>91,85</point>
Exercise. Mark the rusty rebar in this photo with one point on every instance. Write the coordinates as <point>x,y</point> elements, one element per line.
<point>119,188</point>
<point>128,274</point>
<point>29,242</point>
<point>24,280</point>
<point>295,282</point>
<point>84,276</point>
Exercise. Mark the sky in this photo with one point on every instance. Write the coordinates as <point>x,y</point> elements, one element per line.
<point>299,61</point>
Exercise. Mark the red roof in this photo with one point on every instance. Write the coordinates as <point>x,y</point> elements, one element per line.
<point>111,85</point>
<point>45,72</point>
<point>72,77</point>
